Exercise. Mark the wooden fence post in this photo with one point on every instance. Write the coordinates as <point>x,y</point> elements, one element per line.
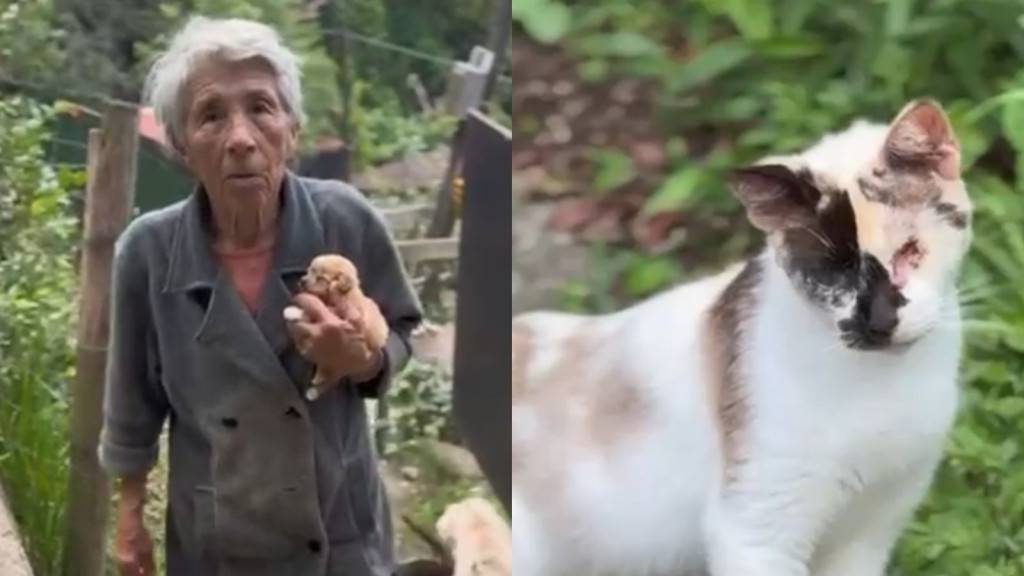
<point>108,207</point>
<point>482,392</point>
<point>465,92</point>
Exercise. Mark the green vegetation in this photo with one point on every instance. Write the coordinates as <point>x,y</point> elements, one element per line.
<point>734,80</point>
<point>37,319</point>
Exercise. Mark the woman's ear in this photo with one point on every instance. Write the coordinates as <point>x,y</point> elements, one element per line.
<point>293,140</point>
<point>183,156</point>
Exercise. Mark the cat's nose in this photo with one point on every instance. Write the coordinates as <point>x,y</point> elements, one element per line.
<point>883,324</point>
<point>883,317</point>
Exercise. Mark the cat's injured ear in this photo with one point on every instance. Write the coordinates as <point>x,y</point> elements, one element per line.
<point>775,198</point>
<point>921,139</point>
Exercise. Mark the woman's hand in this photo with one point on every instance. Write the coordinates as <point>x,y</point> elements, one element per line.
<point>134,547</point>
<point>336,345</point>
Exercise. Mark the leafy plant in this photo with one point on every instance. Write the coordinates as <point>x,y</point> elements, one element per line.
<point>419,406</point>
<point>37,316</point>
<point>546,20</point>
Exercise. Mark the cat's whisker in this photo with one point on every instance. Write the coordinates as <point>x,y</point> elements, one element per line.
<point>824,240</point>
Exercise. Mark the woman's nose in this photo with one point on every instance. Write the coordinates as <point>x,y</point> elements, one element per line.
<point>240,137</point>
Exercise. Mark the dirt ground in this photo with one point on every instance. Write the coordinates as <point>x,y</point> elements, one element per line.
<point>13,561</point>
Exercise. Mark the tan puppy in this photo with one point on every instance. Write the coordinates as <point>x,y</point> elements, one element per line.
<point>480,538</point>
<point>335,280</point>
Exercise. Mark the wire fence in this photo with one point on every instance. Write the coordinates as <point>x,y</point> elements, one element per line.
<point>377,43</point>
<point>403,148</point>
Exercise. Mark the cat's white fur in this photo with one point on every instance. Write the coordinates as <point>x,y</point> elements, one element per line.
<point>848,440</point>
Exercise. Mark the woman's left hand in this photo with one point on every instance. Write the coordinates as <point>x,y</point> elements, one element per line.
<point>336,345</point>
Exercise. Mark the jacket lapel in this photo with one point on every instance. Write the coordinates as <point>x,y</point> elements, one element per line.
<point>300,239</point>
<point>254,346</point>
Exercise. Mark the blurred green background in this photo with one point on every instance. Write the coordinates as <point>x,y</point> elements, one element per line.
<point>626,111</point>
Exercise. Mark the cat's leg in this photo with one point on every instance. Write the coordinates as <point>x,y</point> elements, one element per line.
<point>529,552</point>
<point>768,520</point>
<point>864,548</point>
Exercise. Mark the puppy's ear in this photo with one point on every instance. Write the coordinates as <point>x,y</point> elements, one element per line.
<point>775,198</point>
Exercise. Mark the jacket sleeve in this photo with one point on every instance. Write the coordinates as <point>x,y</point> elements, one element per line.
<point>385,281</point>
<point>135,405</point>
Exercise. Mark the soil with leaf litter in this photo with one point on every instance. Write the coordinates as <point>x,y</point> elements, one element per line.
<point>592,153</point>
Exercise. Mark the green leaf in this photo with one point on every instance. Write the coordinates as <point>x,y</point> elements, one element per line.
<point>753,18</point>
<point>793,15</point>
<point>791,47</point>
<point>676,192</point>
<point>1009,407</point>
<point>548,22</point>
<point>716,60</point>
<point>594,70</point>
<point>898,16</point>
<point>614,169</point>
<point>973,140</point>
<point>618,44</point>
<point>1013,123</point>
<point>648,275</point>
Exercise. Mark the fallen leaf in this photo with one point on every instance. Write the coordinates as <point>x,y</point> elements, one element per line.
<point>573,214</point>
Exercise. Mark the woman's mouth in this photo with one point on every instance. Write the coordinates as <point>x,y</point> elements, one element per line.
<point>245,180</point>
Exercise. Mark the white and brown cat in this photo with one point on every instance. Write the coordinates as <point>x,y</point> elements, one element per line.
<point>782,418</point>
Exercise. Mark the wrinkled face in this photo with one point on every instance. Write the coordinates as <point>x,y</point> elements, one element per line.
<point>330,274</point>
<point>238,136</point>
<point>876,249</point>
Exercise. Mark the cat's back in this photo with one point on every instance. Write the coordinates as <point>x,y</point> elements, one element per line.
<point>554,351</point>
<point>609,406</point>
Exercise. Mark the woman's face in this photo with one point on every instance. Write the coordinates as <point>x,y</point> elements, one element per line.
<point>238,137</point>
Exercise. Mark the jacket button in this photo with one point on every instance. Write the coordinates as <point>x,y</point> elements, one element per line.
<point>229,423</point>
<point>292,412</point>
<point>314,546</point>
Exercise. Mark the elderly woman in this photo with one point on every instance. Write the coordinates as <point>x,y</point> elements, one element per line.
<point>261,481</point>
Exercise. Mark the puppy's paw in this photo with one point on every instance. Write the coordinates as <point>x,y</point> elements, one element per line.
<point>293,314</point>
<point>318,385</point>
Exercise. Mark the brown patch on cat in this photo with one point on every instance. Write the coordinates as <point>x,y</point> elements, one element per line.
<point>901,190</point>
<point>722,340</point>
<point>583,403</point>
<point>618,408</point>
<point>585,397</point>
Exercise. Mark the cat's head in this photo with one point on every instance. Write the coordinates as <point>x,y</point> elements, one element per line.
<point>870,225</point>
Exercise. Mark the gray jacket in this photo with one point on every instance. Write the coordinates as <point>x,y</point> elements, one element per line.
<point>261,482</point>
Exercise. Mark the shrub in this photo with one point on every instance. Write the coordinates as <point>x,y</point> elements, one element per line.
<point>37,317</point>
<point>419,406</point>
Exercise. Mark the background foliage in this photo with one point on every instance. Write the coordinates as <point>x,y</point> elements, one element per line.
<point>737,79</point>
<point>37,320</point>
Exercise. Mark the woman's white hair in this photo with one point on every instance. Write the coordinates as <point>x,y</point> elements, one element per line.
<point>231,39</point>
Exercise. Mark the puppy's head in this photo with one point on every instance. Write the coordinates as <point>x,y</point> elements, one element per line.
<point>330,274</point>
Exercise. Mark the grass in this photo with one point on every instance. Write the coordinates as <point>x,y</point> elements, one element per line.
<point>36,365</point>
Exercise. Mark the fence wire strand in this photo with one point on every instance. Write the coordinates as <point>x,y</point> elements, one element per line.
<point>96,97</point>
